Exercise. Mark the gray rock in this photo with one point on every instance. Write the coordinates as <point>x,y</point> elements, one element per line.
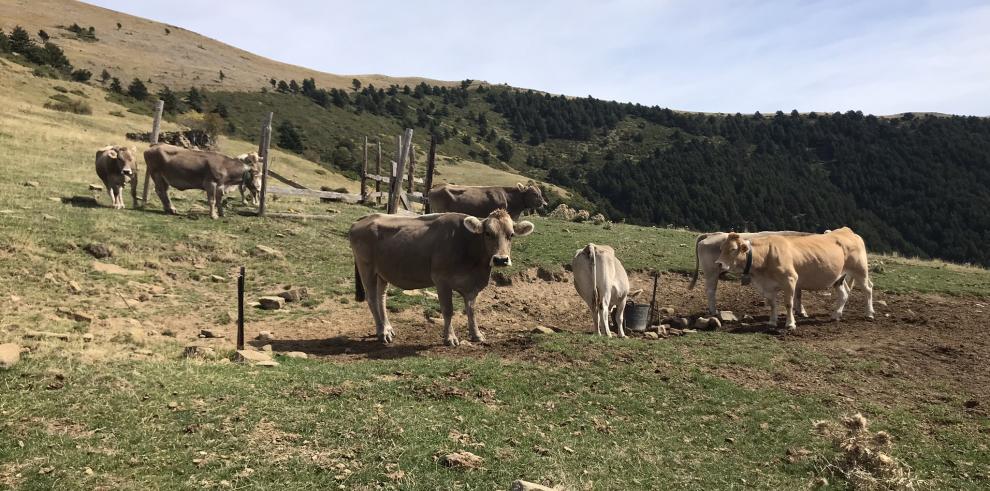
<point>88,337</point>
<point>211,334</point>
<point>265,336</point>
<point>725,316</point>
<point>295,294</point>
<point>10,354</point>
<point>46,335</point>
<point>269,363</point>
<point>95,187</point>
<point>74,287</point>
<point>199,351</point>
<point>668,311</point>
<point>295,354</point>
<point>542,330</point>
<point>714,324</point>
<point>651,335</point>
<point>881,303</point>
<point>267,348</point>
<point>217,278</point>
<point>266,251</point>
<point>271,303</point>
<point>32,184</point>
<point>521,485</point>
<point>700,323</point>
<point>99,251</point>
<point>251,357</point>
<point>74,315</point>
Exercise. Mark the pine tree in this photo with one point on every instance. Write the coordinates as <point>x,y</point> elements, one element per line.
<point>44,36</point>
<point>195,99</point>
<point>171,105</point>
<point>104,77</point>
<point>222,76</point>
<point>115,86</point>
<point>20,40</point>
<point>356,84</point>
<point>290,137</point>
<point>283,87</point>
<point>137,90</point>
<point>293,87</point>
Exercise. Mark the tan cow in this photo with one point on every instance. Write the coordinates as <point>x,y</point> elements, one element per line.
<point>836,259</point>
<point>479,201</point>
<point>169,165</point>
<point>602,283</point>
<point>115,166</point>
<point>707,248</point>
<point>452,251</point>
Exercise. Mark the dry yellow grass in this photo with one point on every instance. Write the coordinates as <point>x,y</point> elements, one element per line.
<point>180,59</point>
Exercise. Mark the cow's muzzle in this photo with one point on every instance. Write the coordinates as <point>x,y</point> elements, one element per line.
<point>501,261</point>
<point>127,172</point>
<point>722,267</point>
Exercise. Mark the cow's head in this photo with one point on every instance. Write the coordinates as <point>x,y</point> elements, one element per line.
<point>732,256</point>
<point>252,173</point>
<point>532,195</point>
<point>497,231</point>
<point>123,159</point>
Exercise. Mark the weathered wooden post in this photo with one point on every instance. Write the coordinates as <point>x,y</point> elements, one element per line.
<point>156,126</point>
<point>430,166</point>
<point>395,182</point>
<point>240,310</point>
<point>412,167</point>
<point>378,172</point>
<point>266,140</point>
<point>364,172</point>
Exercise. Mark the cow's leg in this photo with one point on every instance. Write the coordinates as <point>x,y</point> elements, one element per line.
<point>369,280</point>
<point>113,201</point>
<point>120,196</point>
<point>599,329</point>
<point>219,199</point>
<point>602,311</point>
<point>161,189</point>
<point>711,286</point>
<point>771,297</point>
<point>799,305</point>
<point>211,198</point>
<point>446,297</point>
<point>868,286</point>
<point>841,297</point>
<point>385,332</point>
<point>790,291</point>
<point>473,331</point>
<point>620,316</point>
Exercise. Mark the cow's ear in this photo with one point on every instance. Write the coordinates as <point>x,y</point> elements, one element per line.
<point>112,153</point>
<point>523,228</point>
<point>744,247</point>
<point>520,186</point>
<point>472,224</point>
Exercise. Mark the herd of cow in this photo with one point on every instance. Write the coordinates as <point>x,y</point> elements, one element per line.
<point>471,232</point>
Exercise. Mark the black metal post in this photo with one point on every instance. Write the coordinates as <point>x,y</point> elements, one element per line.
<point>240,310</point>
<point>653,301</point>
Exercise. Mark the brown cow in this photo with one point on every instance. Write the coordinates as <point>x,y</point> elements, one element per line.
<point>479,201</point>
<point>115,166</point>
<point>251,196</point>
<point>836,259</point>
<point>451,251</point>
<point>169,165</point>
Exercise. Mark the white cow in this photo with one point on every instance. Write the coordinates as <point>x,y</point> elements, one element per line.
<point>706,252</point>
<point>602,282</point>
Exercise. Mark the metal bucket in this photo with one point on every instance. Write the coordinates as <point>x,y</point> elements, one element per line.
<point>636,316</point>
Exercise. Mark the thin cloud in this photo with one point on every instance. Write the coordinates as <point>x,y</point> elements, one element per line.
<point>880,57</point>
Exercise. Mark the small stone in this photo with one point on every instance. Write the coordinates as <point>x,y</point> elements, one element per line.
<point>267,348</point>
<point>99,251</point>
<point>521,485</point>
<point>10,354</point>
<point>677,322</point>
<point>74,315</point>
<point>542,330</point>
<point>88,471</point>
<point>251,357</point>
<point>211,334</point>
<point>95,187</point>
<point>266,251</point>
<point>462,460</point>
<point>748,318</point>
<point>700,323</point>
<point>199,351</point>
<point>173,405</point>
<point>265,336</point>
<point>667,311</point>
<point>652,335</point>
<point>113,269</point>
<point>295,354</point>
<point>32,184</point>
<point>217,278</point>
<point>271,303</point>
<point>88,337</point>
<point>714,324</point>
<point>46,335</point>
<point>74,287</point>
<point>269,363</point>
<point>725,316</point>
<point>881,303</point>
<point>294,295</point>
<point>46,216</point>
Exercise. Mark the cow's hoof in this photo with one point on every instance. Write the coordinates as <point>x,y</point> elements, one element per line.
<point>477,338</point>
<point>387,336</point>
<point>870,317</point>
<point>451,341</point>
<point>803,314</point>
<point>791,327</point>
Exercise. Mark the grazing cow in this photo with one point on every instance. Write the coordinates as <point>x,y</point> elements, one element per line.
<point>452,251</point>
<point>253,195</point>
<point>602,282</point>
<point>115,166</point>
<point>479,201</point>
<point>706,250</point>
<point>836,259</point>
<point>169,165</point>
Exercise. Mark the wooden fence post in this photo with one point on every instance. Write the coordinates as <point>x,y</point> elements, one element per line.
<point>378,172</point>
<point>395,183</point>
<point>430,166</point>
<point>364,172</point>
<point>412,167</point>
<point>240,309</point>
<point>155,129</point>
<point>266,139</point>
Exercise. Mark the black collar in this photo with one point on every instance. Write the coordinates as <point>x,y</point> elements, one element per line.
<point>749,264</point>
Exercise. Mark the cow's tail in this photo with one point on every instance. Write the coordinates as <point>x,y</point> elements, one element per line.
<point>358,286</point>
<point>594,274</point>
<point>697,244</point>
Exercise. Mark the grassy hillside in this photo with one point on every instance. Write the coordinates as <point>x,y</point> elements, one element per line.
<point>141,48</point>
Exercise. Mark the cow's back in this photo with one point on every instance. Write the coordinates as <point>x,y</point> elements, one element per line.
<point>476,201</point>
<point>103,163</point>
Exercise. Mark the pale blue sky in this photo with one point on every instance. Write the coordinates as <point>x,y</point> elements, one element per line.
<point>881,57</point>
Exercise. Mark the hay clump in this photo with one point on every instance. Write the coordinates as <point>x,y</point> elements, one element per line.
<point>862,457</point>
